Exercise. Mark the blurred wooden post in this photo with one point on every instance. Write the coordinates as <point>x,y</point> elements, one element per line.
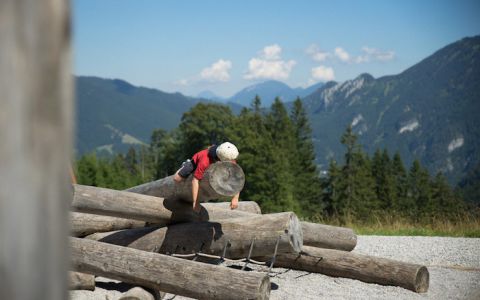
<point>36,102</point>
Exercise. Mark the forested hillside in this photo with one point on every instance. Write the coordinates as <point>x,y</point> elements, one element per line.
<point>277,155</point>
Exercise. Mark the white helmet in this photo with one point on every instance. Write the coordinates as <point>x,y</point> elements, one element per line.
<point>227,151</point>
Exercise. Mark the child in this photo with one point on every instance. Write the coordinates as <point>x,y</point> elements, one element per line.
<point>199,164</point>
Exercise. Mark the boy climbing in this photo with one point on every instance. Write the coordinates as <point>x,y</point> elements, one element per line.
<point>199,164</point>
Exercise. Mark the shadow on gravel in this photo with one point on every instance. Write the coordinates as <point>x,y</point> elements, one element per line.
<point>114,286</point>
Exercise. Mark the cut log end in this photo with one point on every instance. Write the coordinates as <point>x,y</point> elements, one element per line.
<point>226,178</point>
<point>422,280</point>
<point>295,233</point>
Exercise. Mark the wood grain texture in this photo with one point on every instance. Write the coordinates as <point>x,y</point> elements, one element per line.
<point>165,273</point>
<point>36,120</point>
<point>82,224</point>
<point>221,180</point>
<point>365,268</point>
<point>211,237</point>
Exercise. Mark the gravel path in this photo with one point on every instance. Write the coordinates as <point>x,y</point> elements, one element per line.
<point>453,263</point>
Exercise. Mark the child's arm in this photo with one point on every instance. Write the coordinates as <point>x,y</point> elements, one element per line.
<point>234,203</point>
<point>196,204</point>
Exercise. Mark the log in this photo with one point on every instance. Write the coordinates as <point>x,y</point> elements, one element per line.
<point>82,224</point>
<point>169,211</point>
<point>122,204</point>
<point>81,281</point>
<point>165,273</point>
<point>314,234</point>
<point>357,266</point>
<point>221,180</point>
<point>245,206</point>
<point>211,237</point>
<point>328,237</point>
<point>36,134</point>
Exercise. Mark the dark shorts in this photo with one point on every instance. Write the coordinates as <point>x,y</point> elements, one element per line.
<point>187,168</point>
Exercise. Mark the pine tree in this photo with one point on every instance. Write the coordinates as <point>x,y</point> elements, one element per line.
<point>205,124</point>
<point>86,169</point>
<point>419,193</point>
<point>307,184</point>
<point>282,157</point>
<point>401,184</point>
<point>357,182</point>
<point>444,202</point>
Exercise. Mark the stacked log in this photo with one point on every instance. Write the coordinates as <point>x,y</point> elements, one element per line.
<point>162,211</point>
<point>166,273</point>
<point>165,224</point>
<point>211,237</point>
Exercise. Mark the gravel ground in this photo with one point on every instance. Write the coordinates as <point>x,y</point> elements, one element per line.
<point>453,263</point>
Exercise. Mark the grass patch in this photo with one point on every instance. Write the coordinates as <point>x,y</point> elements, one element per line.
<point>464,225</point>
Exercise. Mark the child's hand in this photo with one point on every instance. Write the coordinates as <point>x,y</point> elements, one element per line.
<point>196,207</point>
<point>234,203</point>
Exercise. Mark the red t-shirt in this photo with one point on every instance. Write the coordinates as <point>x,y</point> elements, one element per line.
<point>202,161</point>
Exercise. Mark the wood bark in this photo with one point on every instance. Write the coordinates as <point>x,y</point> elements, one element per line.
<point>314,234</point>
<point>81,281</point>
<point>328,237</point>
<point>357,266</point>
<point>245,206</point>
<point>221,180</point>
<point>169,211</point>
<point>165,273</point>
<point>82,224</point>
<point>211,237</point>
<point>36,114</point>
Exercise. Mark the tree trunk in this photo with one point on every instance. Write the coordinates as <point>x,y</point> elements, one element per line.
<point>81,281</point>
<point>82,224</point>
<point>357,266</point>
<point>211,237</point>
<point>165,273</point>
<point>221,180</point>
<point>36,126</point>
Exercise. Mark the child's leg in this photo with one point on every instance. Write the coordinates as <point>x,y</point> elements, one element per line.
<point>186,169</point>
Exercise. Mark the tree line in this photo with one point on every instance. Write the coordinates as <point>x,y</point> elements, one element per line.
<point>278,158</point>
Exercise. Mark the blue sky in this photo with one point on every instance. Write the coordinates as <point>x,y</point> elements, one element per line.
<point>224,46</point>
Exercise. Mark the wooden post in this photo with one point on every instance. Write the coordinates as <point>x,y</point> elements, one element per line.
<point>165,273</point>
<point>211,237</point>
<point>36,144</point>
<point>221,180</point>
<point>357,266</point>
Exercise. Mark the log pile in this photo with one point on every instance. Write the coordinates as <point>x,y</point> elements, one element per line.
<point>141,235</point>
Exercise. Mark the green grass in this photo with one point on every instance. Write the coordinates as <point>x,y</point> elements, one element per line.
<point>464,225</point>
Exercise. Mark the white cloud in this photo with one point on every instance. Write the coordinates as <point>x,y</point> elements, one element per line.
<point>322,73</point>
<point>342,54</point>
<point>269,65</point>
<point>217,72</point>
<point>316,54</point>
<point>272,52</point>
<point>373,54</point>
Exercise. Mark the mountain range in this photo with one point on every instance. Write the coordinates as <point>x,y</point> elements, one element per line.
<point>429,111</point>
